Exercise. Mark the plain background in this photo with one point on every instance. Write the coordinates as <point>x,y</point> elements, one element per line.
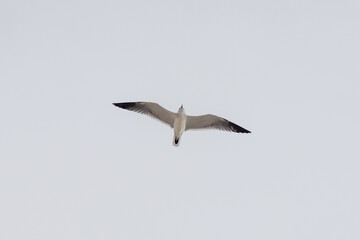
<point>73,166</point>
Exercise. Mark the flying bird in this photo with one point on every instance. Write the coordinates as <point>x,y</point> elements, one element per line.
<point>179,121</point>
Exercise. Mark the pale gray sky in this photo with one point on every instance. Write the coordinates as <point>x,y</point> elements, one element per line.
<point>73,166</point>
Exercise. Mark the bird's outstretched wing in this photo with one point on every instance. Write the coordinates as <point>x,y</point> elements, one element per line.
<point>151,109</point>
<point>210,121</point>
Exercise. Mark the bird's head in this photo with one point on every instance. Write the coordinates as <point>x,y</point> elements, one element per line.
<point>181,109</point>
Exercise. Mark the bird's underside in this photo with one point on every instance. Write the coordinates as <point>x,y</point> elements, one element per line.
<point>180,121</point>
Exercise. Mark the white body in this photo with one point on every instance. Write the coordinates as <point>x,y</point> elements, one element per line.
<point>179,126</point>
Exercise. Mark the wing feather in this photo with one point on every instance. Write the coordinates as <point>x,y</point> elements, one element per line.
<point>210,121</point>
<point>151,109</point>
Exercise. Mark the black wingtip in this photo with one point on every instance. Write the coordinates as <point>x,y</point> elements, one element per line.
<point>124,105</point>
<point>243,130</point>
<point>238,129</point>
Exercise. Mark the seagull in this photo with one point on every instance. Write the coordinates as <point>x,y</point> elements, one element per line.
<point>179,121</point>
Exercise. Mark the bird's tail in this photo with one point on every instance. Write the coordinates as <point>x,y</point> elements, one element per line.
<point>176,141</point>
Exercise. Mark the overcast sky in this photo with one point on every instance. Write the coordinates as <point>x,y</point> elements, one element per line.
<point>73,166</point>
